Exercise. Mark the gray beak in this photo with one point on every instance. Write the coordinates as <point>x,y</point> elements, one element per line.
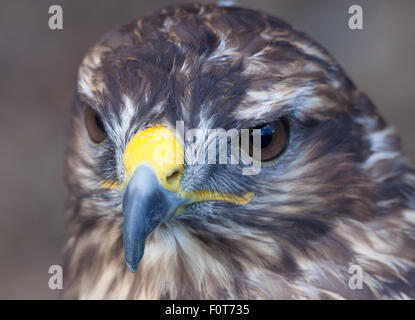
<point>146,205</point>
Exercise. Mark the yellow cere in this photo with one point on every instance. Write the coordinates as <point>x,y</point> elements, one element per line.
<point>159,148</point>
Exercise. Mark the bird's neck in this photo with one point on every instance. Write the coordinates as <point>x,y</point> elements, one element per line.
<point>176,265</point>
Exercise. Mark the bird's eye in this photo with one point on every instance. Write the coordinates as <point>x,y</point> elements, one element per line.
<point>94,125</point>
<point>274,139</point>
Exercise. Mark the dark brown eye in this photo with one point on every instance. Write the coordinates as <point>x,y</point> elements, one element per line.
<point>274,139</point>
<point>94,125</point>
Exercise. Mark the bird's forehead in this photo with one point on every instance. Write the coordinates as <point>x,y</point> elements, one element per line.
<point>224,63</point>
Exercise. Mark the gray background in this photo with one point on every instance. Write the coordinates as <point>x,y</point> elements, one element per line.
<point>37,79</point>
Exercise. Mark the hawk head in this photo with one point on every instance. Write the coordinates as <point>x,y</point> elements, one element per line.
<point>326,187</point>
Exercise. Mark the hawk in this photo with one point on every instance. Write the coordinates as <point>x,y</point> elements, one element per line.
<point>334,192</point>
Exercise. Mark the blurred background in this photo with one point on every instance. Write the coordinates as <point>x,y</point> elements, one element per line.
<point>38,68</point>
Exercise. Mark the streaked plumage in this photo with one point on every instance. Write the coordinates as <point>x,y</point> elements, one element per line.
<point>342,194</point>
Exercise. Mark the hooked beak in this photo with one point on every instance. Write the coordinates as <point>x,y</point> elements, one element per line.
<point>146,205</point>
<point>151,192</point>
<point>153,161</point>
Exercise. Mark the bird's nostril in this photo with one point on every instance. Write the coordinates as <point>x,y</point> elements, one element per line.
<point>173,177</point>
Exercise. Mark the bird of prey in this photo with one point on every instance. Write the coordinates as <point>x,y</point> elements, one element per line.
<point>334,192</point>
